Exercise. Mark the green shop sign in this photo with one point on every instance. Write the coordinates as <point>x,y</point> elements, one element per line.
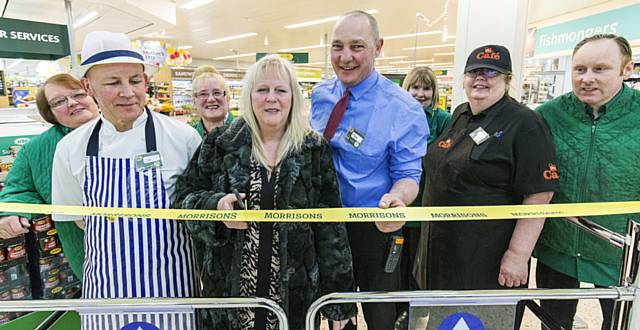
<point>564,36</point>
<point>33,40</point>
<point>293,57</point>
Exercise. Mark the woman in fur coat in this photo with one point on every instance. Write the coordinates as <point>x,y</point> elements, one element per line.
<point>275,161</point>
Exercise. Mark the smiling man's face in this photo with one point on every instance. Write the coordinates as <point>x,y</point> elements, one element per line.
<point>598,72</point>
<point>353,49</point>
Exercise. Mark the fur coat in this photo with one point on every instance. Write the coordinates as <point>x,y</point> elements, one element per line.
<point>315,257</point>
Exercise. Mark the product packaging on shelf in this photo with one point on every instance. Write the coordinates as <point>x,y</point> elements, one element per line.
<point>14,275</point>
<point>51,275</point>
<point>12,252</point>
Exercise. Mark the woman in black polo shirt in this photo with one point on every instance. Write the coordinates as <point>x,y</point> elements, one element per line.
<point>495,152</point>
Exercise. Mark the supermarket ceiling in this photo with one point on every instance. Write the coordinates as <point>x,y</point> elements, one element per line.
<point>265,24</point>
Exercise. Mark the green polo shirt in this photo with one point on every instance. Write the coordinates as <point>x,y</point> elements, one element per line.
<point>438,119</point>
<point>199,125</point>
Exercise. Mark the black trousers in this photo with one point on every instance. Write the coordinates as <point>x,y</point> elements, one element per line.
<point>369,250</point>
<point>563,311</point>
<point>409,250</point>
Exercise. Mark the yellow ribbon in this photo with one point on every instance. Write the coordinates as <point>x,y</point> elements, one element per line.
<point>435,213</point>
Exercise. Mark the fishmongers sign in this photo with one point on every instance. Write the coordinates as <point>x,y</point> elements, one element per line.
<point>436,213</point>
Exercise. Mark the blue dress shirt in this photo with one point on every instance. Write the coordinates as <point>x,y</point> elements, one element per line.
<point>395,133</point>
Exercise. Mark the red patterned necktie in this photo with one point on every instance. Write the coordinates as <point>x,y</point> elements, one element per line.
<point>336,116</point>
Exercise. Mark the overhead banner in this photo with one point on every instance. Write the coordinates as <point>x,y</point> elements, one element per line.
<point>33,40</point>
<point>154,52</point>
<point>182,74</point>
<point>564,36</point>
<point>160,53</point>
<point>293,57</point>
<point>308,74</point>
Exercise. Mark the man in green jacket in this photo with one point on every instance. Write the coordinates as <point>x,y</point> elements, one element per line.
<point>596,130</point>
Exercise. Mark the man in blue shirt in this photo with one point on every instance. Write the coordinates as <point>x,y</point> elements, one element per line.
<point>377,150</point>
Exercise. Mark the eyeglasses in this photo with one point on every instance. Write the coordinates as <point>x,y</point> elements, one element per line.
<point>203,95</point>
<point>63,101</point>
<point>487,73</point>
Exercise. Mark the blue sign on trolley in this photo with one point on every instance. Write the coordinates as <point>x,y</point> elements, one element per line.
<point>461,321</point>
<point>141,326</point>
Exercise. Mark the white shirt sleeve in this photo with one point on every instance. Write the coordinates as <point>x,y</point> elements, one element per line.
<point>66,188</point>
<point>193,142</point>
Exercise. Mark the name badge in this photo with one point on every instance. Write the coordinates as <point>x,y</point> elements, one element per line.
<point>479,135</point>
<point>148,161</point>
<point>354,137</point>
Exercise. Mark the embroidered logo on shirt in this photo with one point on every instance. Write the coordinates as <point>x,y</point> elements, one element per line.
<point>445,144</point>
<point>551,173</point>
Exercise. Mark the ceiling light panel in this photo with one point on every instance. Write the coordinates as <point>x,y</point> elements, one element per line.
<point>239,36</point>
<point>311,63</point>
<point>434,65</point>
<point>85,19</point>
<point>300,48</point>
<point>194,4</point>
<point>429,46</point>
<point>391,57</point>
<point>234,56</point>
<point>16,62</point>
<point>411,35</point>
<point>314,22</point>
<point>410,61</point>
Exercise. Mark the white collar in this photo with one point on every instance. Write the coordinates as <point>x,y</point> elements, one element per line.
<point>142,119</point>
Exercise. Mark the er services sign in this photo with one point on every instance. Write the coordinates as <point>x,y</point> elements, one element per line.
<point>33,40</point>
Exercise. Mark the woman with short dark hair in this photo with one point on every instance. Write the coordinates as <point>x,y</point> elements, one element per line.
<point>64,103</point>
<point>422,84</point>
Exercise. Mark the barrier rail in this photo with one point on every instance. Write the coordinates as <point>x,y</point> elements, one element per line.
<point>151,304</point>
<point>624,294</point>
<point>627,295</point>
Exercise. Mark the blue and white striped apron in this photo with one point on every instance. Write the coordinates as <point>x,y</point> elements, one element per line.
<point>133,257</point>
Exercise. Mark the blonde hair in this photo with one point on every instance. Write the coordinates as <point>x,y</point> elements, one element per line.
<point>297,126</point>
<point>423,77</point>
<point>207,71</point>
